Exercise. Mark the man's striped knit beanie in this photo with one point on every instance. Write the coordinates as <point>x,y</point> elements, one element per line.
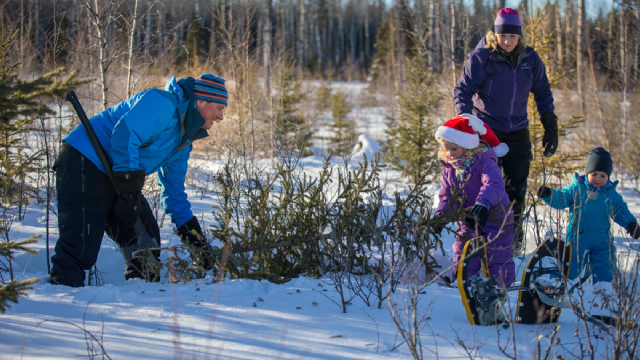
<point>210,88</point>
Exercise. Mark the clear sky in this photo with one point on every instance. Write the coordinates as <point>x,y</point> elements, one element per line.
<point>592,6</point>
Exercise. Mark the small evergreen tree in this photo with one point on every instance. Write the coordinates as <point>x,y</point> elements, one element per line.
<point>564,163</point>
<point>292,131</point>
<point>323,96</point>
<point>343,128</point>
<point>12,288</point>
<point>20,105</point>
<point>411,146</point>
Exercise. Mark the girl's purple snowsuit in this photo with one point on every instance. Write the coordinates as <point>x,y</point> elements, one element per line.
<point>485,186</point>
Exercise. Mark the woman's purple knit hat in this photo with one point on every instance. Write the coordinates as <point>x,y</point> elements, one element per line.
<point>508,22</point>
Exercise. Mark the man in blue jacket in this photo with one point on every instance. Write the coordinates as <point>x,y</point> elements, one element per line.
<point>153,131</point>
<point>495,85</point>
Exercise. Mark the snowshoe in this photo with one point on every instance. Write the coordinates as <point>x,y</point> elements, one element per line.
<point>481,299</point>
<point>543,286</point>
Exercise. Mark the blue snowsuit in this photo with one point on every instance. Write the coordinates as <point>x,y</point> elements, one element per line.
<point>589,231</point>
<point>151,131</point>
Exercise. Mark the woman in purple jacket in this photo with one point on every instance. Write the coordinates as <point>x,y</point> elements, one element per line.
<point>495,85</point>
<point>467,158</point>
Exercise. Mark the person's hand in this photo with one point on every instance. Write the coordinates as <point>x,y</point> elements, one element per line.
<point>129,187</point>
<point>550,139</point>
<point>544,192</point>
<point>477,217</point>
<point>438,223</point>
<point>200,250</point>
<point>633,230</point>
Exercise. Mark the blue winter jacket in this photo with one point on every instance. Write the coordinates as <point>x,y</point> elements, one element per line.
<point>151,131</point>
<point>590,210</point>
<point>497,93</point>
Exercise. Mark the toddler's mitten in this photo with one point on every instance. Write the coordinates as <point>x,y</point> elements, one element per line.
<point>634,230</point>
<point>544,192</point>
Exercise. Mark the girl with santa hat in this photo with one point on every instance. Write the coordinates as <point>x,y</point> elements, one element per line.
<point>470,152</point>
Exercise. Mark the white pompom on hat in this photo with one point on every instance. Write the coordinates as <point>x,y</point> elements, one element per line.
<point>465,131</point>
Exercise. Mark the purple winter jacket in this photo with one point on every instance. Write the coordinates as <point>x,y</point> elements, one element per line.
<point>485,186</point>
<point>497,93</point>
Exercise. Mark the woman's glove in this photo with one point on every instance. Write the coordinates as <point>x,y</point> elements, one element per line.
<point>550,139</point>
<point>633,230</point>
<point>477,217</point>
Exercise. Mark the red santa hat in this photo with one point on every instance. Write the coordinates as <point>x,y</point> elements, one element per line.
<point>463,131</point>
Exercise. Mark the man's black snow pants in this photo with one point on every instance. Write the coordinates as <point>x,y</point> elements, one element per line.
<point>85,201</point>
<point>515,169</point>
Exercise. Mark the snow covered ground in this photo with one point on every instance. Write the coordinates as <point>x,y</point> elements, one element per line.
<point>239,319</point>
<point>248,319</point>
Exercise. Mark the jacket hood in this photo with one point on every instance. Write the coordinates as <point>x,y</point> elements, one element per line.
<point>582,179</point>
<point>191,119</point>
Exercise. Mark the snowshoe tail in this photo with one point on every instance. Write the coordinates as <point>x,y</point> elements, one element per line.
<point>472,249</point>
<point>540,303</point>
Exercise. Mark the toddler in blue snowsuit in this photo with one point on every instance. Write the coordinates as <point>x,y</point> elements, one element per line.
<point>593,202</point>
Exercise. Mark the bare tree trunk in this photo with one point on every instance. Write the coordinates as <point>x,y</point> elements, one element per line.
<point>366,31</point>
<point>579,58</point>
<point>400,56</point>
<point>101,33</point>
<point>161,30</point>
<point>148,30</point>
<point>623,73</point>
<point>465,34</point>
<point>37,29</point>
<point>432,36</point>
<point>636,45</point>
<point>22,37</point>
<point>301,35</point>
<point>452,44</point>
<point>267,48</point>
<point>606,127</point>
<point>341,47</point>
<point>559,37</point>
<point>319,45</point>
<point>352,37</point>
<point>132,33</point>
<point>610,48</point>
<point>213,48</point>
<point>567,29</point>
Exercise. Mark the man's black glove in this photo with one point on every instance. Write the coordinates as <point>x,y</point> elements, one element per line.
<point>634,230</point>
<point>129,187</point>
<point>544,192</point>
<point>477,217</point>
<point>201,252</point>
<point>550,138</point>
